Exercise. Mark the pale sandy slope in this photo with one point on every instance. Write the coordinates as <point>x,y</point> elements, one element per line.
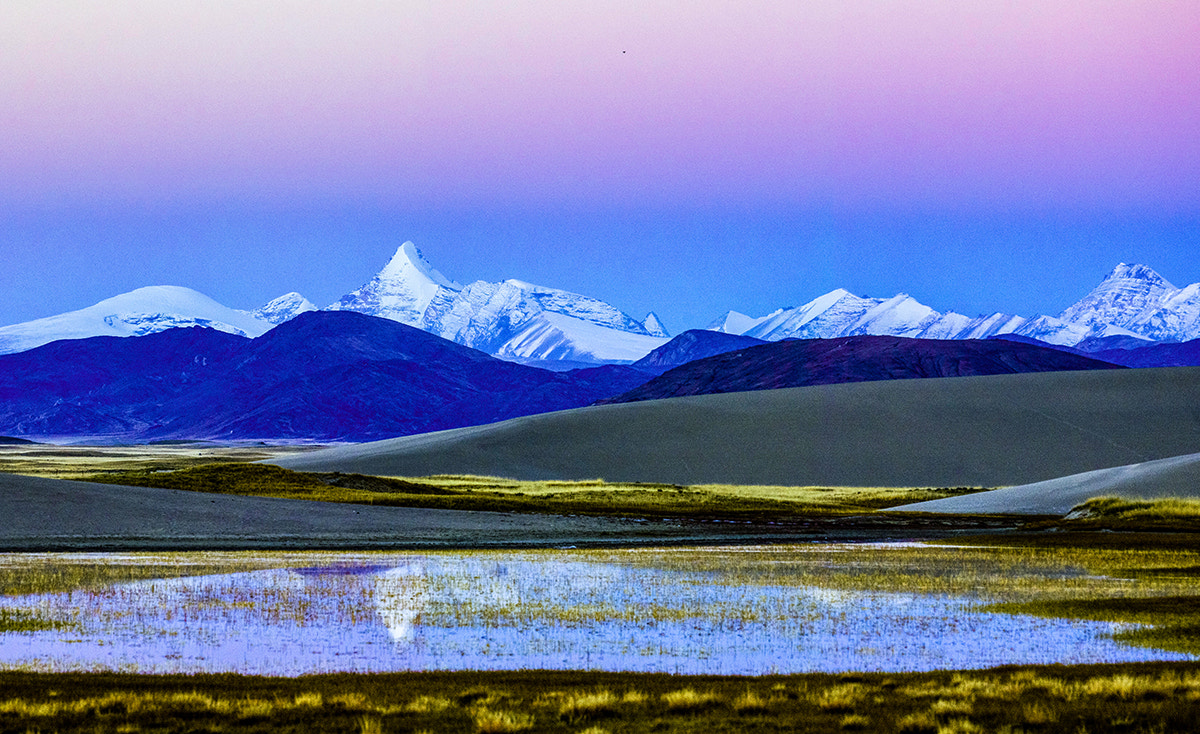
<point>973,431</point>
<point>52,514</point>
<point>1176,477</point>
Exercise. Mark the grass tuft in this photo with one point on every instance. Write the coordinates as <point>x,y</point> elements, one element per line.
<point>918,723</point>
<point>634,697</point>
<point>588,706</point>
<point>840,698</point>
<point>751,703</point>
<point>490,721</point>
<point>429,705</point>
<point>689,700</point>
<point>944,707</point>
<point>1037,714</point>
<point>370,724</point>
<point>960,726</point>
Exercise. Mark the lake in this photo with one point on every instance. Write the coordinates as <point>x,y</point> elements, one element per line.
<point>721,610</point>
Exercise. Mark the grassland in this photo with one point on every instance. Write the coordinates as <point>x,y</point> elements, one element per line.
<point>1114,513</point>
<point>1094,699</point>
<point>73,462</point>
<point>595,497</point>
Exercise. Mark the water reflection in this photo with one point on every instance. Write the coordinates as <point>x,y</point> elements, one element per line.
<point>614,610</point>
<point>399,598</point>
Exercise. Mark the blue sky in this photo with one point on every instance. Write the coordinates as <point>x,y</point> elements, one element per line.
<point>745,156</point>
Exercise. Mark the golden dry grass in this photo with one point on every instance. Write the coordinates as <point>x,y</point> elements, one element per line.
<point>589,705</point>
<point>490,721</point>
<point>1097,699</point>
<point>689,700</point>
<point>73,462</point>
<point>590,497</point>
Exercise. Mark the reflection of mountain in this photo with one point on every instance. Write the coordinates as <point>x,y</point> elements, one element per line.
<point>400,595</point>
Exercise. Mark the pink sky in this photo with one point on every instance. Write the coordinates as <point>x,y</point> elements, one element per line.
<point>765,103</point>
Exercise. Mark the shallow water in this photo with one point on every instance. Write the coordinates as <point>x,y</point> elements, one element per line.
<point>683,610</point>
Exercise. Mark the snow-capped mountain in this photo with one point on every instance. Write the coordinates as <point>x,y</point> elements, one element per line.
<point>402,291</point>
<point>285,308</point>
<point>143,311</point>
<point>1132,300</point>
<point>654,326</point>
<point>523,322</point>
<point>1136,301</point>
<point>735,322</point>
<point>840,313</point>
<point>512,319</point>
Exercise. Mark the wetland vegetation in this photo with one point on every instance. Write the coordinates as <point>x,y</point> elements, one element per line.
<point>74,461</point>
<point>1109,699</point>
<point>595,497</point>
<point>747,610</point>
<point>1133,591</point>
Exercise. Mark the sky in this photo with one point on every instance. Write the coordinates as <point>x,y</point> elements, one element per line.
<point>686,158</point>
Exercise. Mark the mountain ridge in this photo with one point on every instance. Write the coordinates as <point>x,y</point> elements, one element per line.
<point>809,362</point>
<point>530,324</point>
<point>510,319</point>
<point>1131,301</point>
<point>325,375</point>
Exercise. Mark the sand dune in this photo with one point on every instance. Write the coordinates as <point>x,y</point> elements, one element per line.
<point>52,514</point>
<point>978,431</point>
<point>1178,476</point>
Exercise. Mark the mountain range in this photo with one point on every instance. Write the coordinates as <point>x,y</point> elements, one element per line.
<point>346,376</point>
<point>1132,301</point>
<point>531,324</point>
<point>321,376</point>
<point>512,319</point>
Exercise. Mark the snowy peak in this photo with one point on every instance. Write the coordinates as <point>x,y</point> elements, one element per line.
<point>1125,292</point>
<point>285,308</point>
<point>1132,298</point>
<point>735,322</point>
<point>143,311</point>
<point>512,319</point>
<point>402,291</point>
<point>409,263</point>
<point>653,326</point>
<point>837,313</point>
<point>518,320</point>
<point>841,313</point>
<point>1135,272</point>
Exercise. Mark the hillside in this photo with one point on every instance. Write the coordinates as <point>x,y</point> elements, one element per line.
<point>804,362</point>
<point>971,431</point>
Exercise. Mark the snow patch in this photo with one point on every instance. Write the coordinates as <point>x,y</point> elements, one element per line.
<point>143,311</point>
<point>285,308</point>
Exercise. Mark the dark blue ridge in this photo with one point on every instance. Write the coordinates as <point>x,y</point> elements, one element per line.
<point>804,362</point>
<point>321,376</point>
